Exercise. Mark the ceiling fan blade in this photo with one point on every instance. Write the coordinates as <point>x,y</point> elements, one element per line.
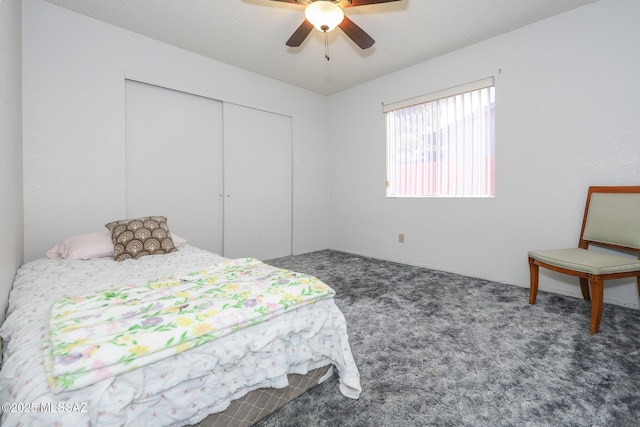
<point>355,33</point>
<point>352,3</point>
<point>287,1</point>
<point>300,34</point>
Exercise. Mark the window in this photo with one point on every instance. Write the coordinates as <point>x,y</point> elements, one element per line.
<point>443,144</point>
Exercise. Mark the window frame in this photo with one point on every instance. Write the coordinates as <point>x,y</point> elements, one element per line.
<point>483,138</point>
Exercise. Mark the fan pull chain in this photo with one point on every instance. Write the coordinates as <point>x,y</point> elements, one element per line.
<point>326,46</point>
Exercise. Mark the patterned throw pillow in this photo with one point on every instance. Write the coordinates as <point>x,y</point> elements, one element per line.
<point>135,238</point>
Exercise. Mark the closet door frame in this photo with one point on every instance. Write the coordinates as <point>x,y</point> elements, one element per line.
<point>224,196</point>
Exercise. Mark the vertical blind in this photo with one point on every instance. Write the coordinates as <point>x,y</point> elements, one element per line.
<point>443,144</point>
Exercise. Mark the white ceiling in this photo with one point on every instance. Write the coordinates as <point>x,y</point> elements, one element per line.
<point>251,34</point>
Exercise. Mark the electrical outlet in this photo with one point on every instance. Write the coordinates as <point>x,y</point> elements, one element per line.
<point>401,238</point>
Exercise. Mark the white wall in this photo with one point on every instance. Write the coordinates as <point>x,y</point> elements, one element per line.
<point>74,130</point>
<point>566,118</point>
<point>10,147</point>
<point>554,138</point>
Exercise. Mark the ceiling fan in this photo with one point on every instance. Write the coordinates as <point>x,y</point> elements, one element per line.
<point>325,15</point>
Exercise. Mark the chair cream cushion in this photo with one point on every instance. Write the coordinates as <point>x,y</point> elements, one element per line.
<point>586,261</point>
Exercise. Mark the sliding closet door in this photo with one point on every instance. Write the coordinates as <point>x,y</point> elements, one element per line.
<point>174,161</point>
<point>258,182</point>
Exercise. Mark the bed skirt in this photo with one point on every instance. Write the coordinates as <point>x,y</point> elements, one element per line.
<point>259,403</point>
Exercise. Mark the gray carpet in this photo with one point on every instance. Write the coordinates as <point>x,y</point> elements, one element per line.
<point>439,349</point>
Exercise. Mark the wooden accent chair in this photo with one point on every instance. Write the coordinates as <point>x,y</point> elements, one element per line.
<point>612,220</point>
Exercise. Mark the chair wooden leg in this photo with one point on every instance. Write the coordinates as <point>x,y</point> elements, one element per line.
<point>533,283</point>
<point>597,294</point>
<point>638,280</point>
<point>584,286</point>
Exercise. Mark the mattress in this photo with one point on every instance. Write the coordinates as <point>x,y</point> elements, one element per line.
<point>180,390</point>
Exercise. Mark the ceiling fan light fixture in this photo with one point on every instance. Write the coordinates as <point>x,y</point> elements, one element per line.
<point>324,15</point>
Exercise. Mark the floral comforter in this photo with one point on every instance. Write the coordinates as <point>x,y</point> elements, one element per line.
<point>106,333</point>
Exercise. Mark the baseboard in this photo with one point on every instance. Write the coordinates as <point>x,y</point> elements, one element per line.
<point>575,294</point>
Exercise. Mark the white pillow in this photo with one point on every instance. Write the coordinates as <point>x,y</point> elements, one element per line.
<point>83,246</point>
<point>178,241</point>
<point>92,245</point>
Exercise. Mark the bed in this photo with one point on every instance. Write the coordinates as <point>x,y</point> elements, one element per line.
<point>61,369</point>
